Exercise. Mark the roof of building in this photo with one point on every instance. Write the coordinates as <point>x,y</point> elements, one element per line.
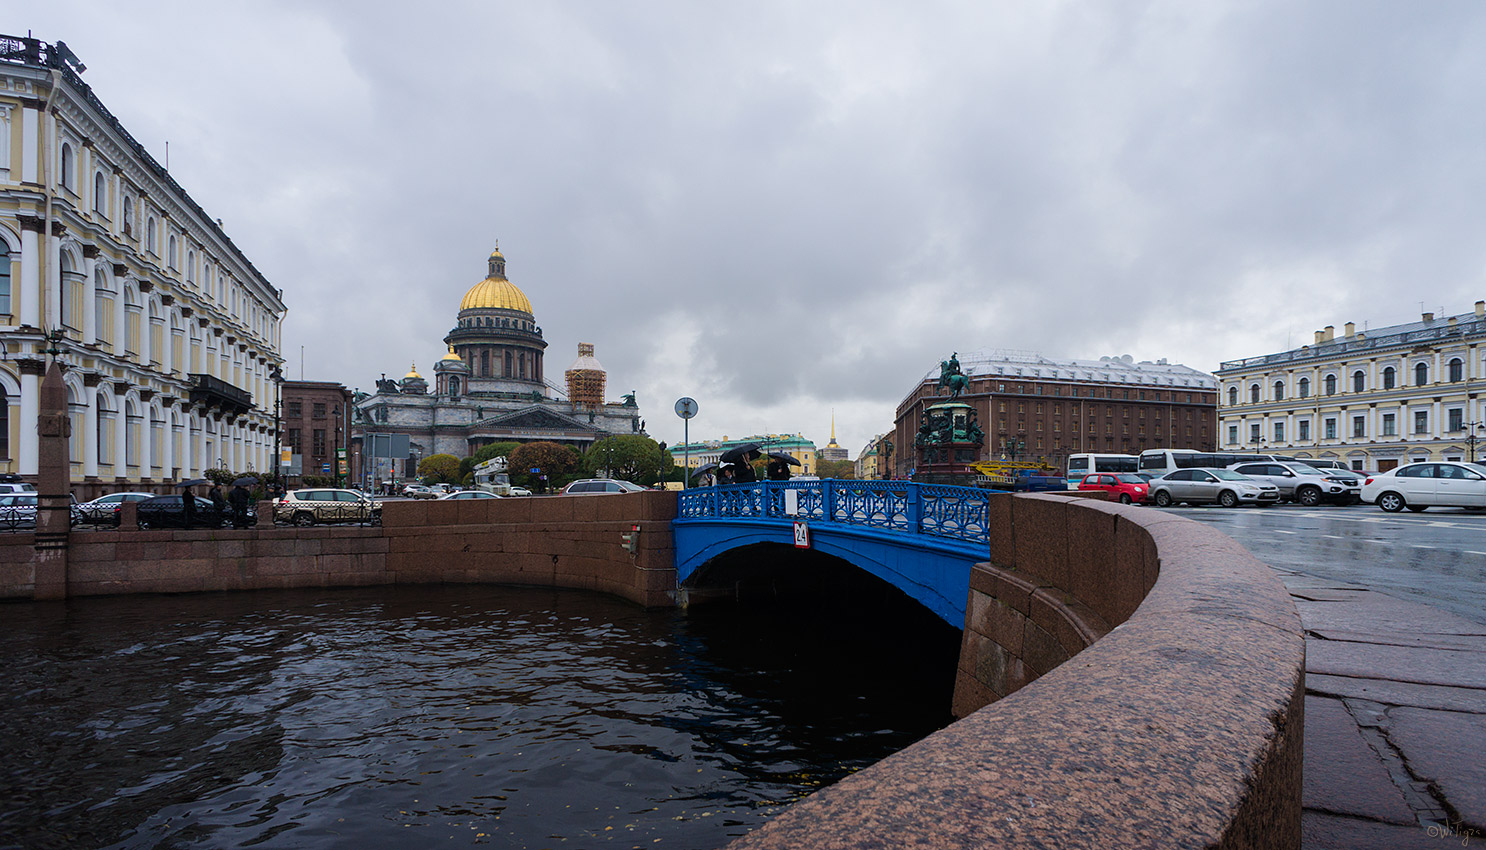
<point>586,360</point>
<point>1111,370</point>
<point>1428,330</point>
<point>494,293</point>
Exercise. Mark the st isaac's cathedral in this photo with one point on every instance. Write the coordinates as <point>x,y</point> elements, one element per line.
<point>491,387</point>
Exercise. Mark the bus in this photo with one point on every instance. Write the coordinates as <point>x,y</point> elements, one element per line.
<point>1080,465</point>
<point>1158,462</point>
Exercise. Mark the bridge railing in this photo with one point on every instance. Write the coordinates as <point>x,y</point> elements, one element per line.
<point>940,510</point>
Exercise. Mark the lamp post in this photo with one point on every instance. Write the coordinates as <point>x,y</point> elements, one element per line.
<point>277,376</point>
<point>1470,436</point>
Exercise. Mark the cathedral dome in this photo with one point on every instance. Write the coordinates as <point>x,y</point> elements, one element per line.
<point>495,292</point>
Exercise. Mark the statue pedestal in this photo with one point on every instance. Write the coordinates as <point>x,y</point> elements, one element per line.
<point>948,441</point>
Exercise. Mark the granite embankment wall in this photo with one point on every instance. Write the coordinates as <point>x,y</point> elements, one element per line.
<point>1142,678</point>
<point>567,541</point>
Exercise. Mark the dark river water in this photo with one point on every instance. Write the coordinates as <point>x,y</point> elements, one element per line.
<point>445,716</point>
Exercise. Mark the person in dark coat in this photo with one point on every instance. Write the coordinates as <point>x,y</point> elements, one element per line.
<point>215,494</point>
<point>777,470</point>
<point>239,499</point>
<point>744,473</point>
<point>188,507</point>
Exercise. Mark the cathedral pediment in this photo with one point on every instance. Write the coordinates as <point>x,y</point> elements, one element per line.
<point>535,418</point>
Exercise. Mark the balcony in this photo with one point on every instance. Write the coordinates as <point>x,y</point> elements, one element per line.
<point>215,393</point>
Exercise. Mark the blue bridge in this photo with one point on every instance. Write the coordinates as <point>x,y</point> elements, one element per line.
<point>920,538</point>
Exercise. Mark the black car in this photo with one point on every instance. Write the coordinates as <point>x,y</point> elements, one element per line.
<point>167,512</point>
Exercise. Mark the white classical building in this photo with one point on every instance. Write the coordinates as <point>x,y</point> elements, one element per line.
<point>167,332</point>
<point>1370,398</point>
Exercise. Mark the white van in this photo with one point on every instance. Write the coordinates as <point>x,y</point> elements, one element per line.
<point>1158,462</point>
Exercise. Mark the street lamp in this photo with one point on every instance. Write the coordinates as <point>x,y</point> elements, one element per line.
<point>277,376</point>
<point>1470,436</point>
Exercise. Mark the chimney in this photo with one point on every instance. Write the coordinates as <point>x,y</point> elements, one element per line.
<point>1450,322</point>
<point>1320,337</point>
<point>1428,317</point>
<point>1481,309</point>
<point>1330,333</point>
<point>1361,336</point>
<point>1351,328</point>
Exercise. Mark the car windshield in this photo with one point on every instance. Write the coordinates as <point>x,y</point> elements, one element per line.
<point>1302,469</point>
<point>1478,467</point>
<point>1129,479</point>
<point>1228,475</point>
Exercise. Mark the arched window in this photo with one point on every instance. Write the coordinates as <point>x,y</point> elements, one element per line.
<point>1279,390</point>
<point>1457,371</point>
<point>1390,378</point>
<point>1421,374</point>
<point>100,193</point>
<point>508,364</point>
<point>149,235</point>
<point>1331,385</point>
<point>4,280</point>
<point>172,253</point>
<point>1254,394</point>
<point>453,386</point>
<point>1305,387</point>
<point>1232,396</point>
<point>1359,381</point>
<point>68,167</point>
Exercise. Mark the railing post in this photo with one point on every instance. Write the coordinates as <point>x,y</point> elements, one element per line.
<point>915,507</point>
<point>828,498</point>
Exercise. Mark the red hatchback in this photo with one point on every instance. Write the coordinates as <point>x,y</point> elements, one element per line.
<point>1123,486</point>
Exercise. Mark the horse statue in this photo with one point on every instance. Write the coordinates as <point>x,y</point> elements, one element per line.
<point>951,376</point>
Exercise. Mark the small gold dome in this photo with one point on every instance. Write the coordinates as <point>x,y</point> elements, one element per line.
<point>413,373</point>
<point>495,293</point>
<point>452,356</point>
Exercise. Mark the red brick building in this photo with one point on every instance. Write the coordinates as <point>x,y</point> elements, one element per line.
<point>316,420</point>
<point>1033,408</point>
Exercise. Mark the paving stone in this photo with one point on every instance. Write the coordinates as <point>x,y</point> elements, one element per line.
<point>1447,749</point>
<point>1398,693</point>
<point>1396,663</point>
<point>1321,831</point>
<point>1342,773</point>
<point>1383,614</point>
<point>1465,643</point>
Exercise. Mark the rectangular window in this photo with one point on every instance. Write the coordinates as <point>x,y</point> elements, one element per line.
<point>1304,427</point>
<point>1421,422</point>
<point>1279,432</point>
<point>293,409</point>
<point>291,440</point>
<point>1254,432</point>
<point>319,442</point>
<point>1457,419</point>
<point>1390,425</point>
<point>1359,426</point>
<point>318,410</point>
<point>1330,428</point>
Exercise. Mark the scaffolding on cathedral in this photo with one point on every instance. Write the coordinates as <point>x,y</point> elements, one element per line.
<point>586,378</point>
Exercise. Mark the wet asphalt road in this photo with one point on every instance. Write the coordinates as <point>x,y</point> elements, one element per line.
<point>1437,557</point>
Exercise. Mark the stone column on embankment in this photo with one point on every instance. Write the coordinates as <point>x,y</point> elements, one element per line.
<point>54,496</point>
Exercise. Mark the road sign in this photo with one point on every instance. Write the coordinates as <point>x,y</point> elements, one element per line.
<point>325,468</point>
<point>686,408</point>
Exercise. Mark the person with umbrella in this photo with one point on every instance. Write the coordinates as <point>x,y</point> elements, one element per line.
<point>741,457</point>
<point>239,498</point>
<point>778,468</point>
<point>188,500</point>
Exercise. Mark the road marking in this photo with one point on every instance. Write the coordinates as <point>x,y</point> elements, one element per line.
<point>1335,536</point>
<point>1421,546</point>
<point>1283,531</point>
<point>1471,552</point>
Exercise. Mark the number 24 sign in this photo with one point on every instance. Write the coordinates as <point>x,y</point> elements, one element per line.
<point>802,535</point>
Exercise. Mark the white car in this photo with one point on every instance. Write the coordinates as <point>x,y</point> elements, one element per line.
<point>1428,484</point>
<point>466,495</point>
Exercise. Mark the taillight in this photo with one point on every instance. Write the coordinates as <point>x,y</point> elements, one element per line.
<point>1369,481</point>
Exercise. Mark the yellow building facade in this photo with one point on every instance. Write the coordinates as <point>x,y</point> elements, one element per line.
<point>1372,399</point>
<point>167,332</point>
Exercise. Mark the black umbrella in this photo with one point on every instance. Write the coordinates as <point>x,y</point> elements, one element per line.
<point>245,481</point>
<point>737,453</point>
<point>704,469</point>
<point>789,459</point>
<point>194,482</point>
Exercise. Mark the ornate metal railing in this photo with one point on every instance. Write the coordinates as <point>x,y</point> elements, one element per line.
<point>939,510</point>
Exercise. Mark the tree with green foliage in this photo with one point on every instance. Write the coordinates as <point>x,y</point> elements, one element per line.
<point>554,461</point>
<point>491,450</point>
<point>835,468</point>
<point>439,469</point>
<point>629,457</point>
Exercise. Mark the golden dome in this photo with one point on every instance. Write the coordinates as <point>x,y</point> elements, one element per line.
<point>495,293</point>
<point>413,373</point>
<point>452,356</point>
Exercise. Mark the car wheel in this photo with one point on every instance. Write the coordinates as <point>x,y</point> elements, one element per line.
<point>1228,499</point>
<point>1125,499</point>
<point>1391,502</point>
<point>1163,499</point>
<point>304,519</point>
<point>1308,496</point>
<point>1417,508</point>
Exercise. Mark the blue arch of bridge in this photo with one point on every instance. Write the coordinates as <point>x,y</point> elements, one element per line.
<point>935,572</point>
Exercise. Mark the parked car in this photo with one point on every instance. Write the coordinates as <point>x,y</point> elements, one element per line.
<point>18,510</point>
<point>1428,484</point>
<point>17,487</point>
<point>418,491</point>
<point>104,510</point>
<point>1201,486</point>
<point>601,485</point>
<point>1126,487</point>
<point>169,512</point>
<point>310,506</point>
<point>520,491</point>
<point>1303,483</point>
<point>467,494</point>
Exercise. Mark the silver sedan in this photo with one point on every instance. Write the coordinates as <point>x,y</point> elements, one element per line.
<point>1203,486</point>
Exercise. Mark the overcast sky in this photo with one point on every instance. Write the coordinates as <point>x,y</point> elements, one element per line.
<point>784,209</point>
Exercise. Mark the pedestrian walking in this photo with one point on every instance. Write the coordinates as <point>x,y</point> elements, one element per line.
<point>239,497</point>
